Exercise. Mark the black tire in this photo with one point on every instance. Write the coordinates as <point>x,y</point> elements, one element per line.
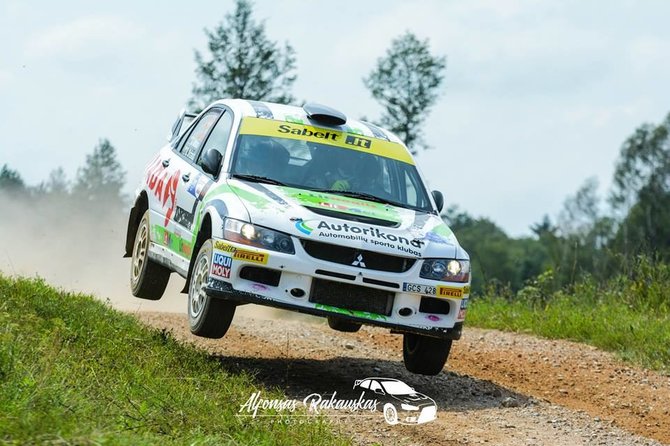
<point>425,355</point>
<point>148,279</point>
<point>208,317</point>
<point>340,324</point>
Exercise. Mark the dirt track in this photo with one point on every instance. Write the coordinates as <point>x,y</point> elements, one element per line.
<point>498,388</point>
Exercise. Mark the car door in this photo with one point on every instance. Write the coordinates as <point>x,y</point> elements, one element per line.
<point>176,238</point>
<point>190,196</point>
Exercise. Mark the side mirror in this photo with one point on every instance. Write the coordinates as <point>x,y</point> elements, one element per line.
<point>211,162</point>
<point>439,200</point>
<point>379,391</point>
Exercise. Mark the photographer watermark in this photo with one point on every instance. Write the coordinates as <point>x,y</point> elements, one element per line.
<point>399,403</point>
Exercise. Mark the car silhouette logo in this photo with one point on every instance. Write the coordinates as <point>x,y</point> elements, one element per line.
<point>402,404</point>
<point>359,261</point>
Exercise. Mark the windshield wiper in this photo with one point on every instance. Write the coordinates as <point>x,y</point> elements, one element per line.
<point>362,195</point>
<point>257,179</point>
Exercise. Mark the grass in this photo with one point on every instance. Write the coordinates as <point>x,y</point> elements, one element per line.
<point>75,371</point>
<point>629,315</point>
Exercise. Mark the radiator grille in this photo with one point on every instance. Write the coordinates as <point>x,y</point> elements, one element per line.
<point>351,297</point>
<point>348,256</point>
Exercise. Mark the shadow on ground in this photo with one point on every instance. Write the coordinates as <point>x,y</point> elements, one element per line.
<point>298,378</point>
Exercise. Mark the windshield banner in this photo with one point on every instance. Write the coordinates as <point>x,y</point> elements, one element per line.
<point>301,132</point>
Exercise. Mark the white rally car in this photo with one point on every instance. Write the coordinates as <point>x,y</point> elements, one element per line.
<point>301,209</point>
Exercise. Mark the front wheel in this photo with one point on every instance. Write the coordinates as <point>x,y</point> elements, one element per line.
<point>208,317</point>
<point>425,355</point>
<point>390,414</point>
<point>148,279</point>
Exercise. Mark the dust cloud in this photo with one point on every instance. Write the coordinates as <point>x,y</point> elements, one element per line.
<point>79,246</point>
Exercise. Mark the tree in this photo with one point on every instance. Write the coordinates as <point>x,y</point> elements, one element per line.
<point>244,63</point>
<point>102,177</point>
<point>496,258</point>
<point>10,180</point>
<point>57,182</point>
<point>641,191</point>
<point>406,83</point>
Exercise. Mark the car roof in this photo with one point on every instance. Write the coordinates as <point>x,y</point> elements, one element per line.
<point>382,379</point>
<point>294,114</point>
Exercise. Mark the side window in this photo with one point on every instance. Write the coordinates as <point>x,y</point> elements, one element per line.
<point>414,191</point>
<point>411,190</point>
<point>375,385</point>
<point>365,384</point>
<point>198,134</point>
<point>218,139</point>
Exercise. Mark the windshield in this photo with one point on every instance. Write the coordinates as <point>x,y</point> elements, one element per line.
<point>310,165</point>
<point>397,388</point>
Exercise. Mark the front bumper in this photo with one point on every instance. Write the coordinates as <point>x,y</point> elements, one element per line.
<point>406,312</point>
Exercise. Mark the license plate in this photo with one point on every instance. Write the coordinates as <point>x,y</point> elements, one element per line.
<point>418,288</point>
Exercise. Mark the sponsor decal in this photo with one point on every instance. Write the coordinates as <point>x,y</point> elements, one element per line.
<point>369,235</point>
<point>302,227</point>
<point>347,205</point>
<point>448,291</point>
<point>259,287</point>
<point>223,246</point>
<point>464,304</point>
<point>433,318</point>
<point>221,264</point>
<point>304,130</point>
<point>173,241</point>
<point>435,238</point>
<point>292,130</point>
<point>357,313</point>
<point>398,403</point>
<point>358,141</point>
<point>419,288</point>
<point>183,217</point>
<point>241,254</point>
<point>163,185</point>
<point>250,256</point>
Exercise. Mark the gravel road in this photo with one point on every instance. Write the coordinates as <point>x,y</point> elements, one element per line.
<point>497,388</point>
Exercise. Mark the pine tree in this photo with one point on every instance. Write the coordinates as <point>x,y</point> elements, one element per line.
<point>244,63</point>
<point>406,82</point>
<point>10,180</point>
<point>101,178</point>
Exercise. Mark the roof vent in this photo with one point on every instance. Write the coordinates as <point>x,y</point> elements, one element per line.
<point>324,114</point>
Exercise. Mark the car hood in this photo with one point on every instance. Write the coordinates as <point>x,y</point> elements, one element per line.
<point>414,399</point>
<point>346,221</point>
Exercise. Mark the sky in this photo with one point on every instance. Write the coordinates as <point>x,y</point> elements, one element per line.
<point>538,95</point>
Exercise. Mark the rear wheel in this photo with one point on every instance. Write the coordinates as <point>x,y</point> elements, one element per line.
<point>148,279</point>
<point>339,324</point>
<point>425,355</point>
<point>208,317</point>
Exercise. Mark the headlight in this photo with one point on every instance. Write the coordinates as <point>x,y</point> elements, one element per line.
<point>447,270</point>
<point>241,232</point>
<point>408,407</point>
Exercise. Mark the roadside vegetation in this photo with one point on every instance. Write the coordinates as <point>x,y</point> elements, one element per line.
<point>629,314</point>
<point>75,371</point>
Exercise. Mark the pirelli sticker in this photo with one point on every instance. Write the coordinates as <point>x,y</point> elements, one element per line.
<point>242,254</point>
<point>292,130</point>
<point>448,291</point>
<point>250,256</point>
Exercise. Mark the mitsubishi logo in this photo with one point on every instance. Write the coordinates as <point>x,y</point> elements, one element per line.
<point>359,261</point>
